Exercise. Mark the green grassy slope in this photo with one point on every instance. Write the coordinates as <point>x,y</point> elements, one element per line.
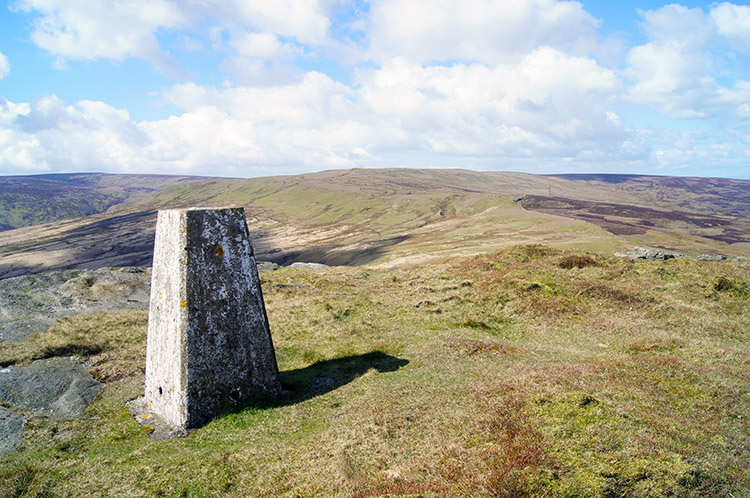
<point>532,371</point>
<point>463,359</point>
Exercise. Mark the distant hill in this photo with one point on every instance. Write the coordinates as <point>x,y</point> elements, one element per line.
<point>31,200</point>
<point>384,217</point>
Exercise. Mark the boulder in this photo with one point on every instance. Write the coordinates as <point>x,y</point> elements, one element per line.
<point>266,266</point>
<point>11,431</point>
<point>60,388</point>
<point>712,257</point>
<point>649,253</point>
<point>309,266</point>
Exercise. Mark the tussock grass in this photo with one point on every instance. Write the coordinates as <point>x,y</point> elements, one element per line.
<point>502,375</point>
<point>577,261</point>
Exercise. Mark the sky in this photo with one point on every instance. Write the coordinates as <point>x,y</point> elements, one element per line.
<point>247,88</point>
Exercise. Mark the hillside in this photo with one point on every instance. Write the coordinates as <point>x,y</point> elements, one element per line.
<point>31,200</point>
<point>531,371</point>
<point>395,217</point>
<point>478,340</point>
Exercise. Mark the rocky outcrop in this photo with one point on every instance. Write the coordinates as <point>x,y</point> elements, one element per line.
<point>309,266</point>
<point>11,431</point>
<point>712,257</point>
<point>266,266</point>
<point>31,303</point>
<point>59,388</point>
<point>648,253</point>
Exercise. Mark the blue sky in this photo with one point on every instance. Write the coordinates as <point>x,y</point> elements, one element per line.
<point>252,88</point>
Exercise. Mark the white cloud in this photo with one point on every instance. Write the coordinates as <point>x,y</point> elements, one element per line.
<point>674,22</point>
<point>733,24</point>
<point>527,110</point>
<point>489,31</point>
<point>677,72</point>
<point>490,82</point>
<point>262,45</point>
<point>4,66</point>
<point>304,20</point>
<point>504,110</point>
<point>258,30</point>
<point>49,136</point>
<point>262,59</point>
<point>108,29</point>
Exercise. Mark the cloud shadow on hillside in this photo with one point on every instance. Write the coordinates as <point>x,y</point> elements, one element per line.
<point>332,254</point>
<point>128,240</point>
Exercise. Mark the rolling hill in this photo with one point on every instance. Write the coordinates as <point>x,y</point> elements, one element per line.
<point>488,344</point>
<point>30,200</point>
<point>384,217</point>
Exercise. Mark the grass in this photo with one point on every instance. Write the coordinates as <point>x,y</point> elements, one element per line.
<point>115,343</point>
<point>532,371</point>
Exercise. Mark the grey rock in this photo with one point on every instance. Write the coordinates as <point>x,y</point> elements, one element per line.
<point>648,253</point>
<point>267,266</point>
<point>58,388</point>
<point>31,303</point>
<point>309,266</point>
<point>712,257</point>
<point>11,431</point>
<point>20,329</point>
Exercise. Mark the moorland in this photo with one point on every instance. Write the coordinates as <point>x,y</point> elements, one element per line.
<point>473,336</point>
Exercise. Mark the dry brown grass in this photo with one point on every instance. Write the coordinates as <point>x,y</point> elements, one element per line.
<point>616,379</point>
<point>577,261</point>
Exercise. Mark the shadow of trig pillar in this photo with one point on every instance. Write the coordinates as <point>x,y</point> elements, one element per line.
<point>209,344</point>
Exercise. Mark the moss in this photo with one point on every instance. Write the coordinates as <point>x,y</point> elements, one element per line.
<point>592,457</point>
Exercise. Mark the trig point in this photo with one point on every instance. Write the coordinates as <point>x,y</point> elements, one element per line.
<point>209,344</point>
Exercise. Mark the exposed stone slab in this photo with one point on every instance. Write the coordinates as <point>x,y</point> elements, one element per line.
<point>309,266</point>
<point>31,303</point>
<point>11,431</point>
<point>266,265</point>
<point>209,345</point>
<point>58,388</point>
<point>648,253</point>
<point>712,257</point>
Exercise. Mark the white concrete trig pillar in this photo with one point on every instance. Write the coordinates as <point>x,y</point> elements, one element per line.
<point>209,344</point>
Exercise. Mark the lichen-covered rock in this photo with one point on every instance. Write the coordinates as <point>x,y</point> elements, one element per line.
<point>11,431</point>
<point>209,345</point>
<point>712,257</point>
<point>648,253</point>
<point>59,388</point>
<point>309,266</point>
<point>31,303</point>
